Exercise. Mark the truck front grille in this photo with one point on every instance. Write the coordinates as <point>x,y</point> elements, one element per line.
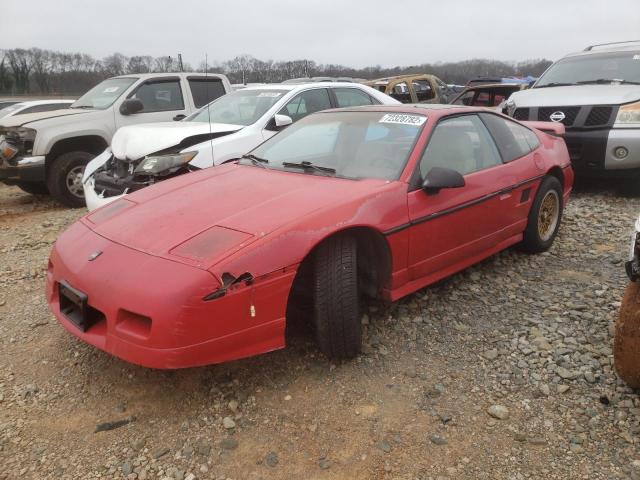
<point>521,114</point>
<point>570,114</point>
<point>599,115</point>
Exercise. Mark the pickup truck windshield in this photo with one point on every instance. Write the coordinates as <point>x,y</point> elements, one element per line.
<point>242,107</point>
<point>593,68</point>
<point>104,94</point>
<point>351,145</point>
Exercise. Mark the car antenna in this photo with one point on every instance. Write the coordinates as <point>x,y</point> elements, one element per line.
<point>206,89</point>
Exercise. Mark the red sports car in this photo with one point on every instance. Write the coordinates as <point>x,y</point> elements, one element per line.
<point>378,201</point>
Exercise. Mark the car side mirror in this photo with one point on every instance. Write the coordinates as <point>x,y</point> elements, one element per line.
<point>279,122</point>
<point>131,106</point>
<point>440,177</point>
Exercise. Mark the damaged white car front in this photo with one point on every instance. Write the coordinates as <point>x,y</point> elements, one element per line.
<point>128,165</point>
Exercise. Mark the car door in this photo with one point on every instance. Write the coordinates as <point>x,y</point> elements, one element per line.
<point>451,227</point>
<point>301,105</point>
<point>162,99</point>
<point>520,154</point>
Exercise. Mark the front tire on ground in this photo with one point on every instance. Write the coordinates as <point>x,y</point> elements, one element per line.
<point>64,178</point>
<point>544,217</point>
<point>336,300</point>
<point>626,345</point>
<point>34,188</point>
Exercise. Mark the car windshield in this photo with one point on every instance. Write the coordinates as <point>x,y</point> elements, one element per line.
<point>242,107</point>
<point>104,94</point>
<point>593,68</point>
<point>344,144</point>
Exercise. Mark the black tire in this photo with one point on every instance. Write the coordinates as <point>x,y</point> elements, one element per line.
<point>34,188</point>
<point>62,176</point>
<point>336,301</point>
<point>534,242</point>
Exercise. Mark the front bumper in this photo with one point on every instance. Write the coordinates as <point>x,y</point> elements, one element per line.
<point>592,152</point>
<point>94,199</point>
<point>24,169</point>
<point>150,311</point>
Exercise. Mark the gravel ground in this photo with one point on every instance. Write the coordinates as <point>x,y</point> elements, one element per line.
<point>501,372</point>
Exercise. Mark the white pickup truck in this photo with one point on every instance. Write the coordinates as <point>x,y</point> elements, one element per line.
<point>48,151</point>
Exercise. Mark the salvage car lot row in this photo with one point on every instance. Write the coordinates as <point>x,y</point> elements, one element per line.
<point>529,333</point>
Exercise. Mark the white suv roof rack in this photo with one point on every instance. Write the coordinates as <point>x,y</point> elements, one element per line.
<point>591,47</point>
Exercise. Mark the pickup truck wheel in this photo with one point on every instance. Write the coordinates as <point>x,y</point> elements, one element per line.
<point>544,217</point>
<point>626,344</point>
<point>64,178</point>
<point>336,300</point>
<point>34,188</point>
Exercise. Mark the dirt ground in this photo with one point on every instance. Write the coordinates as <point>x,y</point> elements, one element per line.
<point>503,371</point>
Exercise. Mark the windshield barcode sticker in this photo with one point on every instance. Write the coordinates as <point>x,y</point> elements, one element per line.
<point>636,57</point>
<point>403,119</point>
<point>111,90</point>
<point>269,94</point>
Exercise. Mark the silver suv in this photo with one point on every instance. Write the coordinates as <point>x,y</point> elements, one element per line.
<point>596,95</point>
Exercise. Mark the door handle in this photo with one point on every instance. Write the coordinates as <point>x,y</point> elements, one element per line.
<point>506,193</point>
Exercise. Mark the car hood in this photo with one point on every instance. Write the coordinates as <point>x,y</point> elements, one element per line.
<point>246,199</point>
<point>19,120</point>
<point>136,141</point>
<point>576,95</point>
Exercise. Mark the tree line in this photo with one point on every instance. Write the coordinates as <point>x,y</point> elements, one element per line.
<point>39,71</point>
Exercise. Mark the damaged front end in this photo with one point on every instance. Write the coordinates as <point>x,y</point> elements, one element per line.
<point>118,177</point>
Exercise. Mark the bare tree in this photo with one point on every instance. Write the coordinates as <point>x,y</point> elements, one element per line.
<point>21,63</point>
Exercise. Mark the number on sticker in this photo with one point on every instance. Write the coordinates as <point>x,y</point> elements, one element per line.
<point>403,119</point>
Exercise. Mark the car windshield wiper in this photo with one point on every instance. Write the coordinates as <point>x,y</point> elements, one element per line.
<point>608,81</point>
<point>555,84</point>
<point>83,106</point>
<point>310,166</point>
<point>261,162</point>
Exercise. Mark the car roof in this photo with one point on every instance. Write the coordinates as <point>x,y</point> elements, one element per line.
<point>494,85</point>
<point>144,76</point>
<point>400,77</point>
<point>409,108</point>
<point>301,86</point>
<point>627,46</point>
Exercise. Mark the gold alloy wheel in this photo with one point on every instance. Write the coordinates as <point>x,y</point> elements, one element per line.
<point>548,215</point>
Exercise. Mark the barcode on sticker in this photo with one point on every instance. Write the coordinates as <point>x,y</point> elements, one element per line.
<point>269,94</point>
<point>403,119</point>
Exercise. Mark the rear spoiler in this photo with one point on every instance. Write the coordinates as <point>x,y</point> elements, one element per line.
<point>552,128</point>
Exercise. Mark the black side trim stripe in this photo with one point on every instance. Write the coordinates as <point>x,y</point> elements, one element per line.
<point>470,203</point>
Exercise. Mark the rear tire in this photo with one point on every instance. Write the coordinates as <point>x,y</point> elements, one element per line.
<point>626,345</point>
<point>336,300</point>
<point>34,188</point>
<point>64,178</point>
<point>544,217</point>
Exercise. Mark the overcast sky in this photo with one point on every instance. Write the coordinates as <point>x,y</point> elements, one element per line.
<point>355,33</point>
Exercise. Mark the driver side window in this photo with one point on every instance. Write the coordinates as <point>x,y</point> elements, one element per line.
<point>307,102</point>
<point>460,143</point>
<point>160,96</point>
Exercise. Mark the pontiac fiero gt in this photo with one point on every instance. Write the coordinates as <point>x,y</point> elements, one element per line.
<point>378,201</point>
